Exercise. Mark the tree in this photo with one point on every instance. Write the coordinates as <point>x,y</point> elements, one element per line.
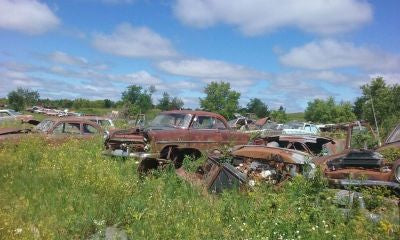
<point>258,107</point>
<point>220,99</point>
<point>176,104</point>
<point>386,101</point>
<point>22,97</point>
<point>279,115</point>
<point>327,111</point>
<point>168,103</point>
<point>108,103</point>
<point>164,102</point>
<point>138,99</point>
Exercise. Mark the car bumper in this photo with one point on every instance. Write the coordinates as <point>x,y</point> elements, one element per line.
<point>355,182</point>
<point>122,153</point>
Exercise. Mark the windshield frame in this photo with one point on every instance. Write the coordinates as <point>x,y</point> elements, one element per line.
<point>187,119</point>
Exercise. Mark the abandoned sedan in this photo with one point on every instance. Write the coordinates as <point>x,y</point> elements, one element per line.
<point>56,128</point>
<point>171,136</point>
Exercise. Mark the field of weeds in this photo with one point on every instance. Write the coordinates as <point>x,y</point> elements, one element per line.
<point>71,191</point>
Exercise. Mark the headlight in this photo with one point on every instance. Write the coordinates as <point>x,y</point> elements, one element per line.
<point>106,134</point>
<point>397,173</point>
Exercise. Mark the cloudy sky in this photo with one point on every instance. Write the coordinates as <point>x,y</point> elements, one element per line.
<point>285,52</point>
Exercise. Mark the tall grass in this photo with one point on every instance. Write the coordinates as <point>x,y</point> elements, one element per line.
<point>70,191</point>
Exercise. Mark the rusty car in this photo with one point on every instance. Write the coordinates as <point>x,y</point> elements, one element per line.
<point>271,160</point>
<point>276,158</point>
<point>56,128</point>
<point>172,135</point>
<point>363,166</point>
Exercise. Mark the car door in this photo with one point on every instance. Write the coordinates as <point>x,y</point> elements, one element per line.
<point>203,135</point>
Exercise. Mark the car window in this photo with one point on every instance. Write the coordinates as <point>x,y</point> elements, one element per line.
<point>104,123</point>
<point>89,129</point>
<point>218,124</point>
<point>203,122</point>
<point>4,114</point>
<point>68,128</point>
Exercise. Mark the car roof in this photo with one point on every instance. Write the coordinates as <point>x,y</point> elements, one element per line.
<point>194,112</point>
<point>71,119</point>
<point>95,117</point>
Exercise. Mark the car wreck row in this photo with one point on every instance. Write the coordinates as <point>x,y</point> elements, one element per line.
<point>174,134</point>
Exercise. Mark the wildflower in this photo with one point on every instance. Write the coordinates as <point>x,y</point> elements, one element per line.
<point>18,230</point>
<point>327,231</point>
<point>313,228</point>
<point>297,232</point>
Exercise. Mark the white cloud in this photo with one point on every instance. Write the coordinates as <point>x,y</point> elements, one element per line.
<point>64,58</point>
<point>329,54</point>
<point>390,78</point>
<point>209,69</point>
<point>140,78</point>
<point>131,41</point>
<point>259,16</point>
<point>27,16</point>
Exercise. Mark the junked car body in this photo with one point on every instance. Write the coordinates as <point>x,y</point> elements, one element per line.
<point>361,166</point>
<point>55,128</point>
<point>10,115</point>
<point>171,136</point>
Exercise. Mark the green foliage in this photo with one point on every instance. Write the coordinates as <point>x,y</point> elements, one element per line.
<point>363,139</point>
<point>137,100</point>
<point>191,164</point>
<point>220,99</point>
<point>70,191</point>
<point>279,115</point>
<point>258,107</point>
<point>386,101</point>
<point>391,154</point>
<point>21,98</point>
<point>168,103</point>
<point>327,111</point>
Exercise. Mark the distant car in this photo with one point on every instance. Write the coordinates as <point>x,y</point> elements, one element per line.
<point>57,127</point>
<point>9,114</point>
<point>105,123</point>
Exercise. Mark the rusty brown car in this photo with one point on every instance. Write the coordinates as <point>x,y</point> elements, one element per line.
<point>56,128</point>
<point>171,136</point>
<point>363,166</point>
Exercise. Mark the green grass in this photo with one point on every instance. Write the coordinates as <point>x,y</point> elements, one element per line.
<point>70,191</point>
<point>298,116</point>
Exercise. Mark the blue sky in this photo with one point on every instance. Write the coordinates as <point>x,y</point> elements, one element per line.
<point>285,52</point>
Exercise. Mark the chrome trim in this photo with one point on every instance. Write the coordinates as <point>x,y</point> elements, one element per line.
<point>122,153</point>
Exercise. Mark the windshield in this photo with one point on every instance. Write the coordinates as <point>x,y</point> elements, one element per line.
<point>272,126</point>
<point>293,125</point>
<point>44,126</point>
<point>177,120</point>
<point>14,112</point>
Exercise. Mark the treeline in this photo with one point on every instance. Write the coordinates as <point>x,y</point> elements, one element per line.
<point>220,98</point>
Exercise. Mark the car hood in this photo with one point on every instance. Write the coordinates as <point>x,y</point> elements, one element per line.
<point>264,152</point>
